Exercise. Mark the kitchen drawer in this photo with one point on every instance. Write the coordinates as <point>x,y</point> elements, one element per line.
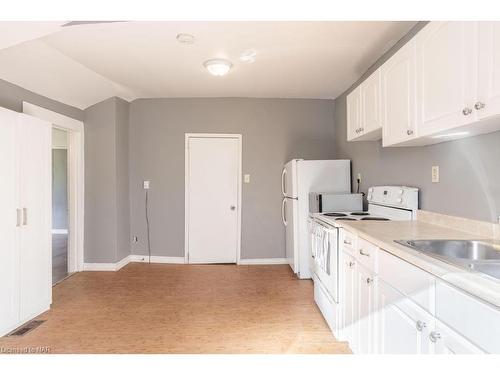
<point>472,318</point>
<point>348,241</point>
<point>408,279</point>
<point>328,308</point>
<point>367,254</point>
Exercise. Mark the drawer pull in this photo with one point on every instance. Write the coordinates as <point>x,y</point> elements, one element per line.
<point>420,325</point>
<point>369,280</point>
<point>434,336</point>
<point>347,242</point>
<point>362,252</point>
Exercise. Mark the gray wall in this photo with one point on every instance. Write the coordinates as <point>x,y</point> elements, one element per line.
<point>107,228</point>
<point>12,97</point>
<point>122,178</point>
<point>469,168</point>
<point>274,131</point>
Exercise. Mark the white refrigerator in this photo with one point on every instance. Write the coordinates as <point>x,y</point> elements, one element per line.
<point>298,179</point>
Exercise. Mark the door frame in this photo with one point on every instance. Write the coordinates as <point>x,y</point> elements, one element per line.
<point>188,136</point>
<point>76,179</point>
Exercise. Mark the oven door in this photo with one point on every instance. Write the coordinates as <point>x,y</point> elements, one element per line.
<point>324,252</point>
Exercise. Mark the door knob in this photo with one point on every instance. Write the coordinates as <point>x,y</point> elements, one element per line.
<point>233,208</point>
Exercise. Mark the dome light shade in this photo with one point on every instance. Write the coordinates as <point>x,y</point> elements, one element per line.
<point>218,67</point>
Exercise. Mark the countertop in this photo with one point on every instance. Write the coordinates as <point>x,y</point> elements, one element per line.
<point>383,234</point>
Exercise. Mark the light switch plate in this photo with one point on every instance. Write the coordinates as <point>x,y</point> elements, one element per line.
<point>246,179</point>
<point>435,173</point>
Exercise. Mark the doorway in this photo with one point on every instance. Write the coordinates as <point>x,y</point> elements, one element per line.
<point>213,198</point>
<point>60,208</point>
<point>69,237</point>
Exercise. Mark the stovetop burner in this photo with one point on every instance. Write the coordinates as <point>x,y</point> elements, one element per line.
<point>346,218</point>
<point>376,218</point>
<point>335,214</point>
<point>361,213</point>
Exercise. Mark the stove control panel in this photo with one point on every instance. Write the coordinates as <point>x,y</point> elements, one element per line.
<point>394,196</point>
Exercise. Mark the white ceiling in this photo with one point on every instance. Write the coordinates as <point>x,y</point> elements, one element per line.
<point>82,65</point>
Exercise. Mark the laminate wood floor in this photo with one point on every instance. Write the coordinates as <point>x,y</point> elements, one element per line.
<point>159,308</point>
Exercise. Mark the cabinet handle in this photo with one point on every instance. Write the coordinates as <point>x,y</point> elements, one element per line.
<point>25,216</point>
<point>361,251</point>
<point>18,219</point>
<point>369,280</point>
<point>466,111</point>
<point>361,129</point>
<point>420,325</point>
<point>434,336</point>
<point>347,242</point>
<point>409,132</point>
<point>479,105</point>
<point>350,264</point>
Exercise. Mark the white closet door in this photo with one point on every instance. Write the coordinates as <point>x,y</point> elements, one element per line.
<point>35,201</point>
<point>9,233</point>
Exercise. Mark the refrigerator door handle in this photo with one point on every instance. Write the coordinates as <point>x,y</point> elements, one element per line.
<point>283,182</point>
<point>283,212</point>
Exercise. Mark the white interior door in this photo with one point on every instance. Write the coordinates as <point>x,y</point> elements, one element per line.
<point>35,258</point>
<point>212,201</point>
<point>9,218</point>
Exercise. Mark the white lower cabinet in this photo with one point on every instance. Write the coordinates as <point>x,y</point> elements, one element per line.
<point>447,341</point>
<point>366,308</point>
<point>393,307</point>
<point>402,326</point>
<point>348,301</point>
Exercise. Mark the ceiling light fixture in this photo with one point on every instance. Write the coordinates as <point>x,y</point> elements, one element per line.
<point>218,67</point>
<point>185,38</point>
<point>248,56</point>
<point>448,135</point>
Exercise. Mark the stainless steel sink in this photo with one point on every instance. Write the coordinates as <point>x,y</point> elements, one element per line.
<point>476,255</point>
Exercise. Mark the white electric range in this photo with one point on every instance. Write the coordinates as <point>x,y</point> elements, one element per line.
<point>384,203</point>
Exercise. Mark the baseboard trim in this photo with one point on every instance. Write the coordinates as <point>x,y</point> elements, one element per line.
<point>107,266</point>
<point>99,266</point>
<point>262,261</point>
<point>156,259</point>
<point>59,231</point>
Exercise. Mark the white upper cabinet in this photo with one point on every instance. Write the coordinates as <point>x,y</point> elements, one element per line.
<point>488,97</point>
<point>446,75</point>
<point>398,96</point>
<point>363,110</point>
<point>353,114</point>
<point>444,84</point>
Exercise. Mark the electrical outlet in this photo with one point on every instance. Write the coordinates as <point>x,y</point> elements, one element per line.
<point>146,184</point>
<point>246,179</point>
<point>359,177</point>
<point>134,239</point>
<point>435,173</point>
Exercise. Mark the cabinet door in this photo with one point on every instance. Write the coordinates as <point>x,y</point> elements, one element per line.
<point>447,341</point>
<point>348,301</point>
<point>398,88</point>
<point>446,75</point>
<point>35,200</point>
<point>370,104</point>
<point>488,103</point>
<point>402,327</point>
<point>353,114</point>
<point>366,283</point>
<point>9,221</point>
